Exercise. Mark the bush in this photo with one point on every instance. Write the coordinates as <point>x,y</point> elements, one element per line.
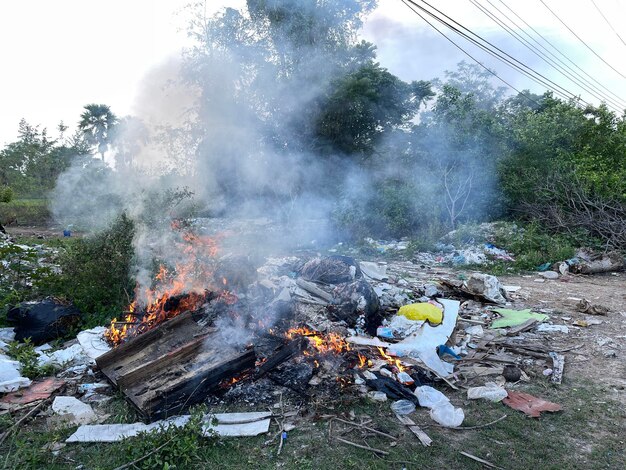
<point>6,194</point>
<point>533,247</point>
<point>96,272</point>
<point>392,209</point>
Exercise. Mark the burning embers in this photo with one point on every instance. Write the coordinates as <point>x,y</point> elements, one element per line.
<point>188,286</point>
<point>322,343</point>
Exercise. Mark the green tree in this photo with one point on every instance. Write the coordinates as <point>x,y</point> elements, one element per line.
<point>31,165</point>
<point>97,123</point>
<point>364,105</point>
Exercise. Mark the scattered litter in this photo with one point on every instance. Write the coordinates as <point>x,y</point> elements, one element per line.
<point>490,391</point>
<point>375,271</point>
<point>415,429</point>
<point>93,342</point>
<point>549,274</point>
<point>422,311</point>
<point>511,373</point>
<point>43,320</point>
<point>558,362</point>
<point>72,410</point>
<point>441,410</point>
<point>75,354</point>
<point>585,306</point>
<point>228,424</point>
<point>377,396</point>
<point>547,328</point>
<point>238,424</point>
<point>590,263</point>
<point>485,286</point>
<point>444,350</point>
<point>528,404</point>
<point>7,334</point>
<point>87,387</point>
<point>515,317</point>
<point>475,330</point>
<point>37,391</point>
<point>10,377</point>
<point>403,407</point>
<point>511,288</point>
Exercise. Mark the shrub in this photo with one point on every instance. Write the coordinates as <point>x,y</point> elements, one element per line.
<point>96,272</point>
<point>392,209</point>
<point>533,247</point>
<point>6,194</point>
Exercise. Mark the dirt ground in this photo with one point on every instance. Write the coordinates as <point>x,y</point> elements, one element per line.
<point>38,231</point>
<point>599,357</point>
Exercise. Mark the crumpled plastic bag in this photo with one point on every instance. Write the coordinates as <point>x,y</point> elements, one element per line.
<point>422,311</point>
<point>447,415</point>
<point>441,410</point>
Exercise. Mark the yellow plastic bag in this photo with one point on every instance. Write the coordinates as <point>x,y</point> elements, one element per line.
<point>422,311</point>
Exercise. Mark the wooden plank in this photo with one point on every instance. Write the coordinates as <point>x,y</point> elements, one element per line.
<point>180,385</point>
<point>283,354</point>
<point>149,346</point>
<point>415,429</point>
<point>313,289</point>
<point>168,369</point>
<point>527,325</point>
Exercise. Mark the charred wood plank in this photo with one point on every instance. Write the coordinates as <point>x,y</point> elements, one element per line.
<point>183,384</point>
<point>283,354</point>
<point>168,369</point>
<point>149,346</point>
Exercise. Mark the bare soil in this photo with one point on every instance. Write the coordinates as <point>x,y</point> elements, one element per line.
<point>600,355</point>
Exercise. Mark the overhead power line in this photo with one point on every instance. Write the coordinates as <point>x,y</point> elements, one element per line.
<point>607,22</point>
<point>494,50</point>
<point>524,94</point>
<point>569,74</point>
<point>583,42</point>
<point>556,49</point>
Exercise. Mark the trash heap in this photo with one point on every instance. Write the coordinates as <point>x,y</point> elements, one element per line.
<point>341,329</point>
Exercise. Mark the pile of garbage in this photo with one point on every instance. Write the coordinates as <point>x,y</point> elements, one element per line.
<point>407,339</point>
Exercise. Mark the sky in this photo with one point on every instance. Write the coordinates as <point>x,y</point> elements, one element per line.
<point>58,55</point>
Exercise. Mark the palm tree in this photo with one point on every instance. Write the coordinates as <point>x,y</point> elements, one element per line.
<point>97,123</point>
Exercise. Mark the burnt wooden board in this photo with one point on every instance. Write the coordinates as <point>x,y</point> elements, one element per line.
<point>172,367</point>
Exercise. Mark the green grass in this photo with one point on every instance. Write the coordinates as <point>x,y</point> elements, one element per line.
<point>25,211</point>
<point>587,434</point>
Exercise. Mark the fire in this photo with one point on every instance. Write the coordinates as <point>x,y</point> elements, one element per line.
<point>363,361</point>
<point>175,289</point>
<point>391,360</point>
<point>322,343</point>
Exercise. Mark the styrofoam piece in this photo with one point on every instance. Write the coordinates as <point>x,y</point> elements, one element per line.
<point>228,424</point>
<point>75,410</point>
<point>92,342</point>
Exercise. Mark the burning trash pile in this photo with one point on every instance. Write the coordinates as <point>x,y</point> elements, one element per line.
<point>310,328</point>
<point>221,330</point>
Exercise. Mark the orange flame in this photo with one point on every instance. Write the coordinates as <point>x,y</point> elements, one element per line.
<point>323,343</point>
<point>391,360</point>
<point>174,290</point>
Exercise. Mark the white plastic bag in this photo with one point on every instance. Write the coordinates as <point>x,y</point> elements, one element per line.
<point>430,397</point>
<point>447,415</point>
<point>441,410</point>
